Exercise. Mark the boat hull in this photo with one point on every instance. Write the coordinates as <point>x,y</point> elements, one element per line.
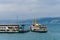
<point>20,31</point>
<point>24,31</point>
<point>40,31</point>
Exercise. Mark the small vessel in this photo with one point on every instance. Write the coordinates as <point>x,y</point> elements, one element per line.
<point>21,29</point>
<point>36,27</point>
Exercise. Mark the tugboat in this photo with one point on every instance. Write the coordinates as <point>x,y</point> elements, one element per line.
<point>36,27</point>
<point>21,29</point>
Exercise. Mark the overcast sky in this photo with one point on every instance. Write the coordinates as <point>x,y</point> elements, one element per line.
<point>26,9</point>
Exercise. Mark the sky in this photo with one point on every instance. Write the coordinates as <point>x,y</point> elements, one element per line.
<point>27,9</point>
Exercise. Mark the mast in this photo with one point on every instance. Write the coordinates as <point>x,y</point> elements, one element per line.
<point>35,20</point>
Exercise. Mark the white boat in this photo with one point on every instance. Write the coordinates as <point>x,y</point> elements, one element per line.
<point>11,28</point>
<point>4,28</point>
<point>36,27</point>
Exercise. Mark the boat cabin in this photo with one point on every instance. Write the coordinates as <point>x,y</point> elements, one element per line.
<point>9,27</point>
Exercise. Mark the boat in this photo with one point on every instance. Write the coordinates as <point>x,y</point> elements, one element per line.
<point>11,28</point>
<point>21,29</point>
<point>36,27</point>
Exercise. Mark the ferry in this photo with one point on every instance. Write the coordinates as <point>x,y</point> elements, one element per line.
<point>36,27</point>
<point>11,28</point>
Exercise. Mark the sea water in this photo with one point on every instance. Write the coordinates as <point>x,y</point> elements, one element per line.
<point>52,34</point>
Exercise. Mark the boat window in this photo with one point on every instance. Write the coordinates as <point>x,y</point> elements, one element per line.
<point>2,30</point>
<point>10,27</point>
<point>34,29</point>
<point>20,27</point>
<point>39,25</point>
<point>33,25</point>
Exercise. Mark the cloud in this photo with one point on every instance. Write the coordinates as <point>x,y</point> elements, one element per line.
<point>30,8</point>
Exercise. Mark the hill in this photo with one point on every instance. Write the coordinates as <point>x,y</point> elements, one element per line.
<point>54,20</point>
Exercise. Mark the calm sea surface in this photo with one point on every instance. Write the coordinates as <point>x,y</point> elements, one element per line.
<point>52,34</point>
